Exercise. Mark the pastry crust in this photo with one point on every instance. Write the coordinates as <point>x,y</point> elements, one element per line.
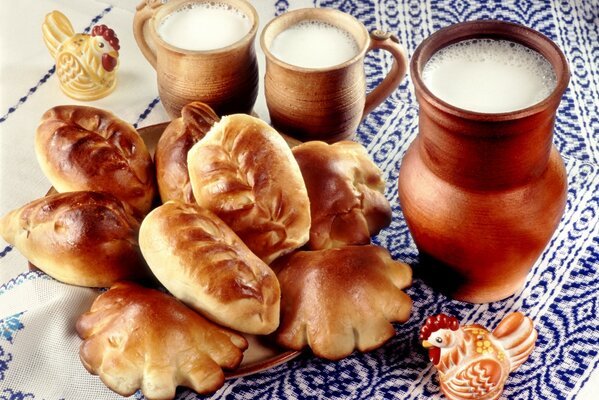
<point>85,148</point>
<point>81,238</point>
<point>244,172</point>
<point>171,151</point>
<point>347,193</point>
<point>203,263</point>
<point>137,338</point>
<point>341,299</point>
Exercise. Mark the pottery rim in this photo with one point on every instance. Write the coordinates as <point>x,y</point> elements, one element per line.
<point>329,16</point>
<point>492,29</point>
<point>241,5</point>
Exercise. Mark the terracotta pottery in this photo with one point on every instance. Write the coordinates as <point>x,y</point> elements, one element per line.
<point>326,103</point>
<point>482,193</point>
<point>226,79</point>
<point>472,362</point>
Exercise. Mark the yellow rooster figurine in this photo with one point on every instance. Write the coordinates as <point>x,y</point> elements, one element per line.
<point>86,65</point>
<point>472,362</point>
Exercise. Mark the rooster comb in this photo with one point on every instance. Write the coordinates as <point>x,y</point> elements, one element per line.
<point>436,322</point>
<point>108,35</point>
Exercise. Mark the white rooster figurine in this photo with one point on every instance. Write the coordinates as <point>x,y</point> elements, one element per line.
<point>472,362</point>
<point>86,65</point>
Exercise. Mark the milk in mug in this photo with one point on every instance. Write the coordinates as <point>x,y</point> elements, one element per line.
<point>314,44</point>
<point>204,26</point>
<point>489,76</point>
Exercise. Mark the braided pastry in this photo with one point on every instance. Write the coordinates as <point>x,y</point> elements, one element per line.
<point>244,172</point>
<point>203,263</point>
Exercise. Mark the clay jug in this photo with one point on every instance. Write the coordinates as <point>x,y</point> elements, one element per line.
<point>482,193</point>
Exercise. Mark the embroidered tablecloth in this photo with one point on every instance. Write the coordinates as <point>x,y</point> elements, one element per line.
<point>38,343</point>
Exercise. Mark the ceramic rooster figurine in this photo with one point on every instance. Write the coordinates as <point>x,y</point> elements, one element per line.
<point>86,64</point>
<point>472,362</point>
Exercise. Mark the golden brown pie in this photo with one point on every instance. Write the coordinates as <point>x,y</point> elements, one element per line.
<point>201,261</point>
<point>85,148</point>
<point>244,172</point>
<point>82,238</point>
<point>347,193</point>
<point>171,151</point>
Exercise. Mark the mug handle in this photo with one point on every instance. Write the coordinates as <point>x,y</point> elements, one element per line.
<point>390,43</point>
<point>143,12</point>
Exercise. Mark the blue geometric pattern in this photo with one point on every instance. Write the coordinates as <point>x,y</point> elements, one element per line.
<point>9,394</point>
<point>8,329</point>
<point>22,278</point>
<point>561,293</point>
<point>10,326</point>
<point>5,358</point>
<point>5,251</point>
<point>147,111</point>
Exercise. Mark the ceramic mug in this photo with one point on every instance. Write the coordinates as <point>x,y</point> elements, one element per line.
<point>225,78</point>
<point>326,103</point>
<point>482,193</point>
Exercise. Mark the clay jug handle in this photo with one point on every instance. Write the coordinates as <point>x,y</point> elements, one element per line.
<point>389,42</point>
<point>143,12</point>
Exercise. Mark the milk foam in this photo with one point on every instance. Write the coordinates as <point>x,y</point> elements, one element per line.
<point>204,26</point>
<point>314,44</point>
<point>490,76</point>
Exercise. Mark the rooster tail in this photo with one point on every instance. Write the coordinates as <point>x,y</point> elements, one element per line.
<point>56,29</point>
<point>517,336</point>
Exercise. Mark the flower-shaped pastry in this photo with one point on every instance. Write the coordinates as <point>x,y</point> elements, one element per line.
<point>138,338</point>
<point>341,299</point>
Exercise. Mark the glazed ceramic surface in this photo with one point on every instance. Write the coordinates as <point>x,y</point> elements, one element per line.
<point>225,78</point>
<point>482,193</point>
<point>472,362</point>
<point>326,103</point>
<point>86,64</point>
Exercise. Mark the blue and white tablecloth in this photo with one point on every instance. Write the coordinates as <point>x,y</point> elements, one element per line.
<point>38,343</point>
